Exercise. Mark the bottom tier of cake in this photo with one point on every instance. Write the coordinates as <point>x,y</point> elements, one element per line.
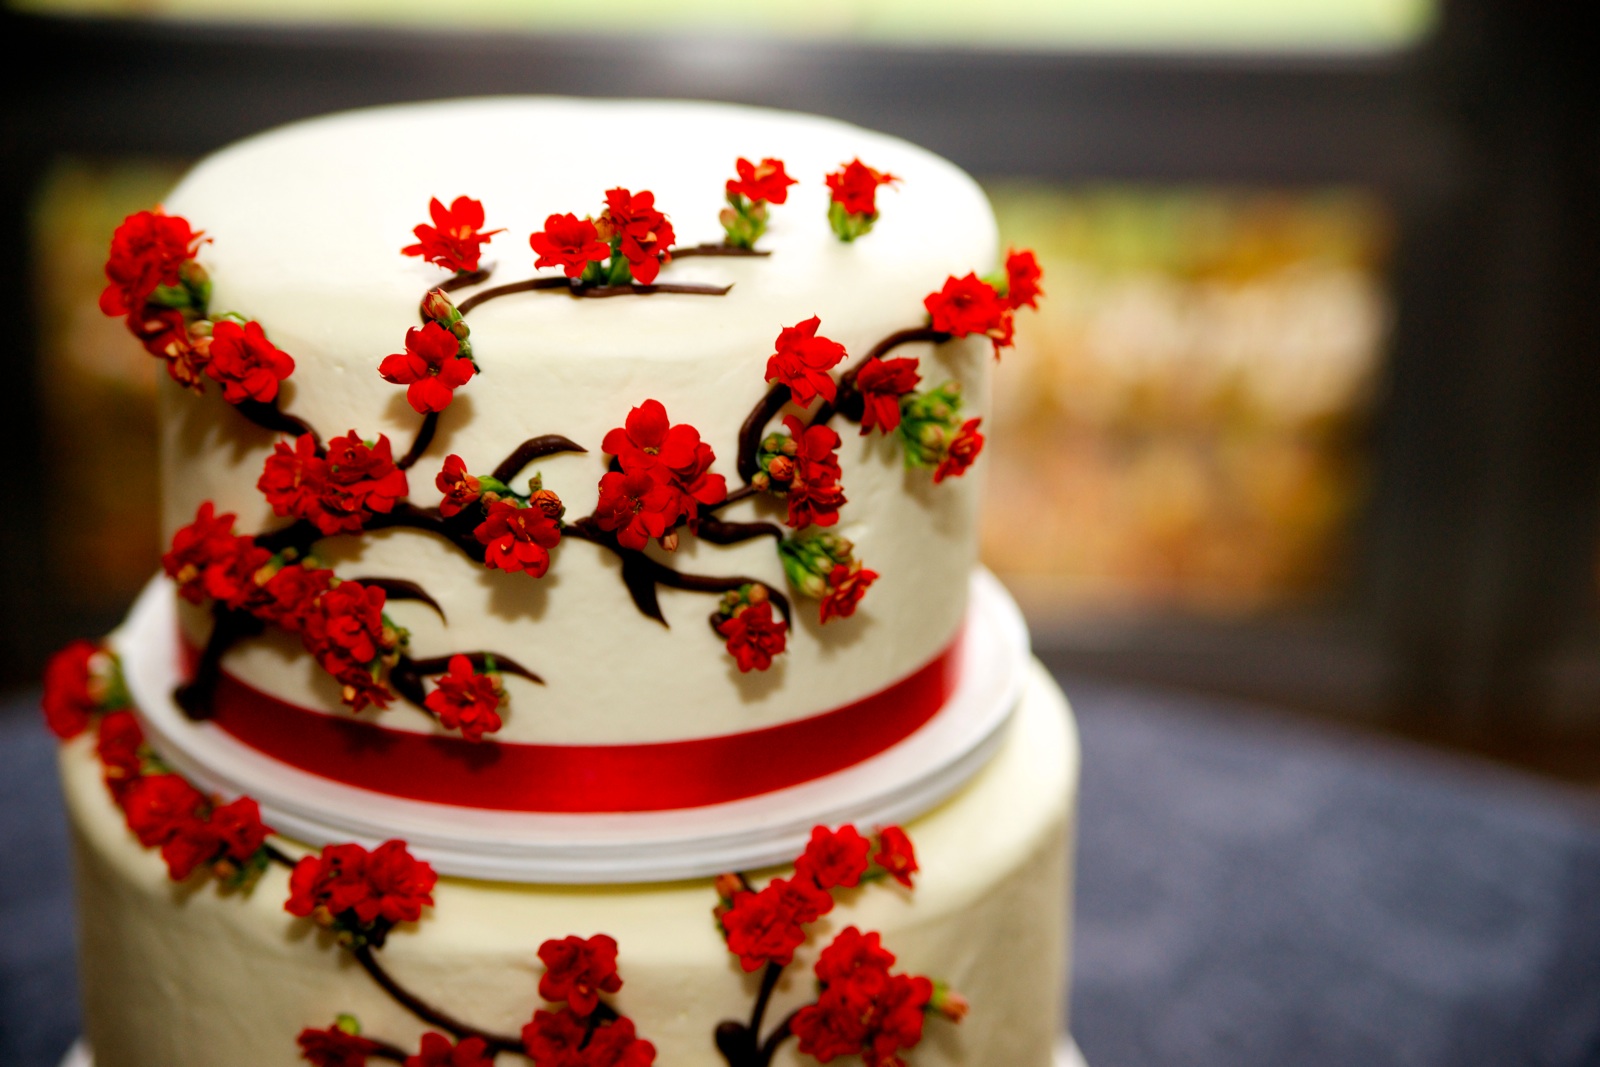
<point>185,975</point>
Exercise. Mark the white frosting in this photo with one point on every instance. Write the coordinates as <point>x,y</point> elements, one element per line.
<point>307,223</point>
<point>186,976</point>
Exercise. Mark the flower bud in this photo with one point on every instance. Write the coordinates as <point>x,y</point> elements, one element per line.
<point>727,885</point>
<point>755,594</point>
<point>669,542</point>
<point>547,502</point>
<point>761,482</point>
<point>437,306</point>
<point>781,469</point>
<point>349,1024</point>
<point>949,1003</point>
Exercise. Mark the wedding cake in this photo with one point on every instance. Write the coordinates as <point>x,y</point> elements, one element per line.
<point>570,647</point>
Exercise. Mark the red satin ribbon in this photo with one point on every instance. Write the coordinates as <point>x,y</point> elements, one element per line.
<point>583,778</point>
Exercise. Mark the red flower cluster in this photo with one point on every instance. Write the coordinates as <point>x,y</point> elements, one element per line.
<point>665,477</point>
<point>466,700</point>
<point>855,187</point>
<point>344,630</point>
<point>455,240</point>
<point>69,689</point>
<point>566,1039</point>
<point>245,363</point>
<point>334,1047</point>
<point>847,584</point>
<point>120,746</point>
<point>166,812</point>
<point>863,1009</point>
<point>968,306</point>
<point>802,362</point>
<point>431,367</point>
<point>578,970</point>
<point>767,926</point>
<point>164,332</point>
<point>348,885</point>
<point>639,232</point>
<point>147,251</point>
<point>1022,279</point>
<point>461,490</point>
<point>834,857</point>
<point>289,598</point>
<point>961,453</point>
<point>768,182</point>
<point>337,492</point>
<point>811,487</point>
<point>881,383</point>
<point>895,855</point>
<point>518,538</point>
<point>437,1051</point>
<point>208,560</point>
<point>570,243</point>
<point>754,635</point>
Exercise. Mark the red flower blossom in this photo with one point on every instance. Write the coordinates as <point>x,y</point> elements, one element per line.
<point>467,701</point>
<point>461,490</point>
<point>754,636</point>
<point>338,493</point>
<point>334,1047</point>
<point>557,1039</point>
<point>437,1051</point>
<point>851,955</point>
<point>245,363</point>
<point>578,970</point>
<point>290,597</point>
<point>455,240</point>
<point>347,881</point>
<point>671,455</point>
<point>208,560</point>
<point>876,1018</point>
<point>69,700</point>
<point>767,927</point>
<point>881,383</point>
<point>518,538</point>
<point>118,746</point>
<point>570,243</point>
<point>636,506</point>
<point>430,367</point>
<point>834,857</point>
<point>192,844</point>
<point>855,187</point>
<point>645,234</point>
<point>895,855</point>
<point>239,828</point>
<point>846,586</point>
<point>970,305</point>
<point>617,1044</point>
<point>767,182</point>
<point>1022,279</point>
<point>963,450</point>
<point>164,332</point>
<point>147,251</point>
<point>160,806</point>
<point>802,362</point>
<point>348,623</point>
<point>814,494</point>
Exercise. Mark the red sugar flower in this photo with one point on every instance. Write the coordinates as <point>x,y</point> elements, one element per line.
<point>387,883</point>
<point>644,233</point>
<point>147,251</point>
<point>290,597</point>
<point>245,363</point>
<point>851,955</point>
<point>814,494</point>
<point>430,367</point>
<point>846,586</point>
<point>164,332</point>
<point>802,362</point>
<point>437,1051</point>
<point>563,1039</point>
<point>570,243</point>
<point>617,1045</point>
<point>834,857</point>
<point>160,806</point>
<point>970,305</point>
<point>649,440</point>
<point>238,824</point>
<point>208,560</point>
<point>855,187</point>
<point>578,970</point>
<point>455,240</point>
<point>895,855</point>
<point>192,844</point>
<point>963,450</point>
<point>466,700</point>
<point>338,492</point>
<point>68,690</point>
<point>1022,279</point>
<point>334,1047</point>
<point>518,538</point>
<point>461,490</point>
<point>767,182</point>
<point>767,927</point>
<point>881,383</point>
<point>876,1017</point>
<point>118,745</point>
<point>348,622</point>
<point>754,636</point>
<point>636,506</point>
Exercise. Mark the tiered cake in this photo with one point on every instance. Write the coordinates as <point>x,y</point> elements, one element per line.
<point>583,596</point>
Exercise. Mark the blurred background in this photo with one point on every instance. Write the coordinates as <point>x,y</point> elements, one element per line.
<point>1312,414</point>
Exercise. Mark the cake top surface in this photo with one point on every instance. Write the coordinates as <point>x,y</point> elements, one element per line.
<point>308,219</point>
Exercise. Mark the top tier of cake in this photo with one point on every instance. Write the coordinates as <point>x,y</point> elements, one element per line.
<point>306,224</point>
